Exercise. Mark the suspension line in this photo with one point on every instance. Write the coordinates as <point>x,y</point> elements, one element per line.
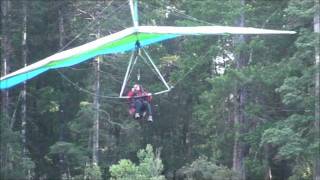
<point>127,74</point>
<point>157,70</point>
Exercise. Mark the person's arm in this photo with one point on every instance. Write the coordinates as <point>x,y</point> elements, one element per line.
<point>149,96</point>
<point>130,95</point>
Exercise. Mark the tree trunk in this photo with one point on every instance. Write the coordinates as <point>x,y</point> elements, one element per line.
<point>24,90</point>
<point>186,129</point>
<point>268,172</point>
<point>96,103</point>
<point>240,101</point>
<point>62,165</point>
<point>5,56</point>
<point>61,27</point>
<point>317,88</point>
<point>24,61</point>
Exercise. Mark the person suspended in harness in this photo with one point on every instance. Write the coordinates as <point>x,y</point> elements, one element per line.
<point>140,100</point>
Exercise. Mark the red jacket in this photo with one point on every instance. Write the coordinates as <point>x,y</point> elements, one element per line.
<point>141,94</point>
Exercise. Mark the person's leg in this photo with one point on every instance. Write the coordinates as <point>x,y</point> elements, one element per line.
<point>132,109</point>
<point>138,104</point>
<point>144,110</point>
<point>148,108</point>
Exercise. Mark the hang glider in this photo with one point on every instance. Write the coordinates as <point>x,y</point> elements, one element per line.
<point>122,41</point>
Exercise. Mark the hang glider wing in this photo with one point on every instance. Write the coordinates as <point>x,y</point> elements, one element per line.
<point>122,41</point>
<point>208,30</point>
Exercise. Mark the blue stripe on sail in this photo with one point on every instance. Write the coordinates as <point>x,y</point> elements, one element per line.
<point>11,81</point>
<point>14,80</point>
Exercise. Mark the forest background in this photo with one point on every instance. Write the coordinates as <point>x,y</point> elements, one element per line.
<point>242,107</point>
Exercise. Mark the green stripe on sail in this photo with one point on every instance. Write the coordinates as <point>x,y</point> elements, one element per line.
<point>91,53</point>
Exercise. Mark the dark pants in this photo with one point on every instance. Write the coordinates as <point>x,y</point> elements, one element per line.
<point>142,106</point>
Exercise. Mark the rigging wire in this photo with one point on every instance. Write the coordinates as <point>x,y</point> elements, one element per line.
<point>12,119</point>
<point>108,120</point>
<point>150,66</point>
<point>146,62</point>
<point>179,13</point>
<point>124,97</point>
<point>130,72</point>
<point>93,23</point>
<point>191,70</point>
<point>86,90</point>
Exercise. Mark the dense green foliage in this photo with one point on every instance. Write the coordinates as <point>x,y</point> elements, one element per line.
<point>193,125</point>
<point>203,169</point>
<point>150,167</point>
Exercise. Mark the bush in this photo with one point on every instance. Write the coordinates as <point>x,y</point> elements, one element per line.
<point>202,169</point>
<point>92,172</point>
<point>150,167</point>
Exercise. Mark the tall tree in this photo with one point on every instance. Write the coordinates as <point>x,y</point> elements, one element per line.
<point>24,61</point>
<point>240,102</point>
<point>61,20</point>
<point>61,25</point>
<point>5,53</point>
<point>5,57</point>
<point>316,23</point>
<point>96,103</point>
<point>24,90</point>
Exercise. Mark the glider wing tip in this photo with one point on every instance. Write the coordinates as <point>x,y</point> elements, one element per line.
<point>292,32</point>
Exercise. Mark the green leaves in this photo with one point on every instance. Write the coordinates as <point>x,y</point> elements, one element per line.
<point>290,91</point>
<point>277,136</point>
<point>150,167</point>
<point>290,143</point>
<point>73,156</point>
<point>291,150</point>
<point>203,169</point>
<point>150,163</point>
<point>92,172</point>
<point>70,150</point>
<point>125,169</point>
<point>300,12</point>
